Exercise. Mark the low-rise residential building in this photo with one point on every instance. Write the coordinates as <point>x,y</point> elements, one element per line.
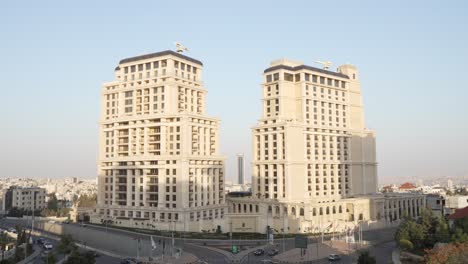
<point>454,202</point>
<point>436,203</point>
<point>31,198</point>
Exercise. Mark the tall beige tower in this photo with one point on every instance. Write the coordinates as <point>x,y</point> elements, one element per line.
<point>159,163</point>
<point>311,142</point>
<point>314,164</point>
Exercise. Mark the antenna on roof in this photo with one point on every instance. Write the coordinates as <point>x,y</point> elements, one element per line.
<point>180,48</point>
<point>325,64</point>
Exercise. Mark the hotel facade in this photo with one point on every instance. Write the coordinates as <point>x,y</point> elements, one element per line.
<point>159,163</point>
<point>314,161</point>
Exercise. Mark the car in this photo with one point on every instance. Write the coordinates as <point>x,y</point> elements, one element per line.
<point>12,230</point>
<point>66,221</point>
<point>47,246</point>
<point>259,252</point>
<point>41,241</point>
<point>333,257</point>
<point>273,252</point>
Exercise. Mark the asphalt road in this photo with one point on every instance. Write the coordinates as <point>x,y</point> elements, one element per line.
<point>126,244</point>
<point>101,259</point>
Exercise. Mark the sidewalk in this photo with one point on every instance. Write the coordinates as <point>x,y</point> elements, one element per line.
<point>396,256</point>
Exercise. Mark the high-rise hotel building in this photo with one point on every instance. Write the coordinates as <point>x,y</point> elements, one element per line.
<point>159,163</point>
<point>314,161</point>
<point>311,142</point>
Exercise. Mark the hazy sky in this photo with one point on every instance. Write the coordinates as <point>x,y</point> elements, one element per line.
<point>412,57</point>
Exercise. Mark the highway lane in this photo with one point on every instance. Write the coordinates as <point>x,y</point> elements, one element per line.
<point>125,243</point>
<point>204,254</point>
<point>101,259</point>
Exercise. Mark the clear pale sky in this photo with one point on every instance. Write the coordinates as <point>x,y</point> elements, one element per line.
<point>412,57</point>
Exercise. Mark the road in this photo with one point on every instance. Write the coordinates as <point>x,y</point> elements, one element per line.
<point>125,243</point>
<point>101,259</point>
<point>383,252</point>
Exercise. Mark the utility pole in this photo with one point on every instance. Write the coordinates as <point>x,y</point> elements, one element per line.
<point>172,247</point>
<point>230,233</point>
<point>138,247</point>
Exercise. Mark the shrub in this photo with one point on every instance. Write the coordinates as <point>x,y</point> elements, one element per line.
<point>405,244</point>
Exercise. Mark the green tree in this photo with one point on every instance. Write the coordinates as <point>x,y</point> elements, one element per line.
<point>365,258</point>
<point>52,204</point>
<point>427,220</point>
<point>412,231</point>
<point>441,232</point>
<point>66,244</point>
<point>462,223</point>
<point>459,236</point>
<point>49,258</point>
<point>77,257</point>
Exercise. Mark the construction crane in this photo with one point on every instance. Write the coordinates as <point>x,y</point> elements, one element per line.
<point>325,64</point>
<point>180,48</point>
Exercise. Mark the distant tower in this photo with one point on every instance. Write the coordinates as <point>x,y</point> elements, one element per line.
<point>419,183</point>
<point>450,184</point>
<point>240,168</point>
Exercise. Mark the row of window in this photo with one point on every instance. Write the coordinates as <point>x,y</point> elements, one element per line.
<point>306,77</point>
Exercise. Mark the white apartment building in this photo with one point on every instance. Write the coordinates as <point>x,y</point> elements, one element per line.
<point>453,202</point>
<point>27,198</point>
<point>159,162</point>
<point>314,161</point>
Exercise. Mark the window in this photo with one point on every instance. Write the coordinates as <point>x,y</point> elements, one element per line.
<point>288,77</point>
<point>276,77</point>
<point>268,78</point>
